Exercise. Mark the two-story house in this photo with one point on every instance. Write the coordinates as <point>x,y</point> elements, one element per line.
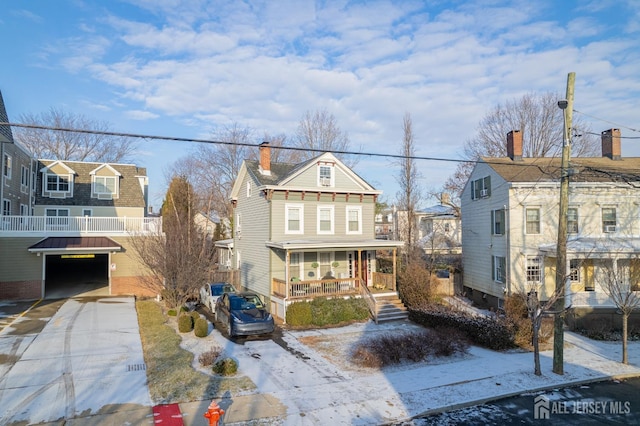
<point>306,230</point>
<point>510,209</point>
<point>69,223</point>
<point>439,229</point>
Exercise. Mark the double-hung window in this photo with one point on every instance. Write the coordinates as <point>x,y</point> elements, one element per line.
<point>498,266</point>
<point>533,220</point>
<point>497,222</point>
<point>481,188</point>
<point>325,175</point>
<point>6,207</point>
<point>572,220</point>
<point>294,219</point>
<point>105,186</point>
<point>24,179</point>
<point>7,166</point>
<point>609,219</point>
<point>57,219</point>
<point>574,270</point>
<point>534,269</point>
<point>325,219</point>
<point>354,220</point>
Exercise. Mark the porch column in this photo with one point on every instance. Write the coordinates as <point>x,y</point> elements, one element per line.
<point>394,270</point>
<point>286,273</point>
<point>359,266</point>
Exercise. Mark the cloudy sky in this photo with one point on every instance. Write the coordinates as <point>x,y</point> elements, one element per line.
<point>188,67</point>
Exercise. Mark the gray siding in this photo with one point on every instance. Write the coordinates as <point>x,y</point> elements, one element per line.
<point>250,242</point>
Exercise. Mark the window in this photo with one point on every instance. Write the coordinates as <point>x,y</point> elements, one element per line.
<point>105,185</point>
<point>481,188</point>
<point>295,265</point>
<point>294,217</point>
<point>354,220</point>
<point>498,265</point>
<point>572,220</point>
<point>325,219</point>
<point>447,227</point>
<point>248,189</point>
<point>6,207</point>
<point>24,179</point>
<point>24,210</point>
<point>87,212</point>
<point>325,175</point>
<point>534,269</point>
<point>497,222</point>
<point>7,166</point>
<point>57,218</point>
<point>533,221</point>
<point>609,219</point>
<point>238,225</point>
<point>574,270</point>
<point>56,183</point>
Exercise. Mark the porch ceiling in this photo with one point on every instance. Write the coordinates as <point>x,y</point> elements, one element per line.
<point>596,247</point>
<point>335,244</point>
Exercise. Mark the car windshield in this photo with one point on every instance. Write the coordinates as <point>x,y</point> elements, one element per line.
<point>254,300</point>
<point>218,290</point>
<point>238,304</point>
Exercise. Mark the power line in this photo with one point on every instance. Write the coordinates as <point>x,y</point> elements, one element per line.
<point>607,121</point>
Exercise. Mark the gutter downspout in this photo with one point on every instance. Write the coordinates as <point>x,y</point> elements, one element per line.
<point>507,230</point>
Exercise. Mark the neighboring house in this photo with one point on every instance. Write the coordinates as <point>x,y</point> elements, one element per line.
<point>510,209</point>
<point>305,230</point>
<point>209,223</point>
<point>439,230</point>
<point>69,221</point>
<point>384,225</point>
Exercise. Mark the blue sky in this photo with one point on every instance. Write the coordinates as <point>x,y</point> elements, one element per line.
<point>188,67</point>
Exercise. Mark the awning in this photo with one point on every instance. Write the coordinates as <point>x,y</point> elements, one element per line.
<point>335,244</point>
<point>596,247</point>
<point>76,244</point>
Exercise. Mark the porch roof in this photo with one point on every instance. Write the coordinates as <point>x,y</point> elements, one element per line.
<point>371,244</point>
<point>597,247</point>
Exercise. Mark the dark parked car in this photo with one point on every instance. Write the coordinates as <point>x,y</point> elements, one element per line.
<point>243,314</point>
<point>209,293</point>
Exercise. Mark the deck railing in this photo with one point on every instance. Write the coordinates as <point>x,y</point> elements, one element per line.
<point>315,288</point>
<point>80,225</point>
<point>592,299</point>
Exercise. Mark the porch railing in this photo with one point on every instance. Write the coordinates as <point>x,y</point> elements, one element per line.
<point>382,280</point>
<point>592,299</point>
<point>80,225</point>
<point>315,288</point>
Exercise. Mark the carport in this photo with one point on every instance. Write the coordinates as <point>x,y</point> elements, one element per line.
<point>76,265</point>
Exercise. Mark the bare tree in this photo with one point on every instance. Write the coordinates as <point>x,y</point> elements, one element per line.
<point>623,290</point>
<point>214,168</point>
<point>536,311</point>
<point>73,146</point>
<point>409,195</point>
<point>320,131</point>
<point>539,119</point>
<point>179,261</point>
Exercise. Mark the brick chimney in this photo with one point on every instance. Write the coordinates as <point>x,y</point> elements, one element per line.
<point>514,145</point>
<point>265,158</point>
<point>611,144</point>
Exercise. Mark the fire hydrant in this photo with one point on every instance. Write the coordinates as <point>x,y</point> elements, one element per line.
<point>214,412</point>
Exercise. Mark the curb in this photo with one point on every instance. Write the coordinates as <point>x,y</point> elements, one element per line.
<point>482,401</point>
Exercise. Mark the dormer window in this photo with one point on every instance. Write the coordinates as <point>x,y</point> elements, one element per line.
<point>325,175</point>
<point>105,183</point>
<point>57,180</point>
<point>57,183</point>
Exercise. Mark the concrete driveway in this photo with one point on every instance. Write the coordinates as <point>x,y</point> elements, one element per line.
<point>72,358</point>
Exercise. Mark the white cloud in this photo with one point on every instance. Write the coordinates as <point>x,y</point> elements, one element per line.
<point>141,115</point>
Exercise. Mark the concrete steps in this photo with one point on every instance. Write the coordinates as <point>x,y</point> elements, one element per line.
<point>389,307</point>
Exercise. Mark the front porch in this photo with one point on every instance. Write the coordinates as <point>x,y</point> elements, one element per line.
<point>335,287</point>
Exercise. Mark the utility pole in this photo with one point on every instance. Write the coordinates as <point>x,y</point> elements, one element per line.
<point>561,251</point>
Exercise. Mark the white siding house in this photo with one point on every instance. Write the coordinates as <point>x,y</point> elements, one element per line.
<point>510,209</point>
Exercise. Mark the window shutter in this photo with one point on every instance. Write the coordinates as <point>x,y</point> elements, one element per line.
<point>493,268</point>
